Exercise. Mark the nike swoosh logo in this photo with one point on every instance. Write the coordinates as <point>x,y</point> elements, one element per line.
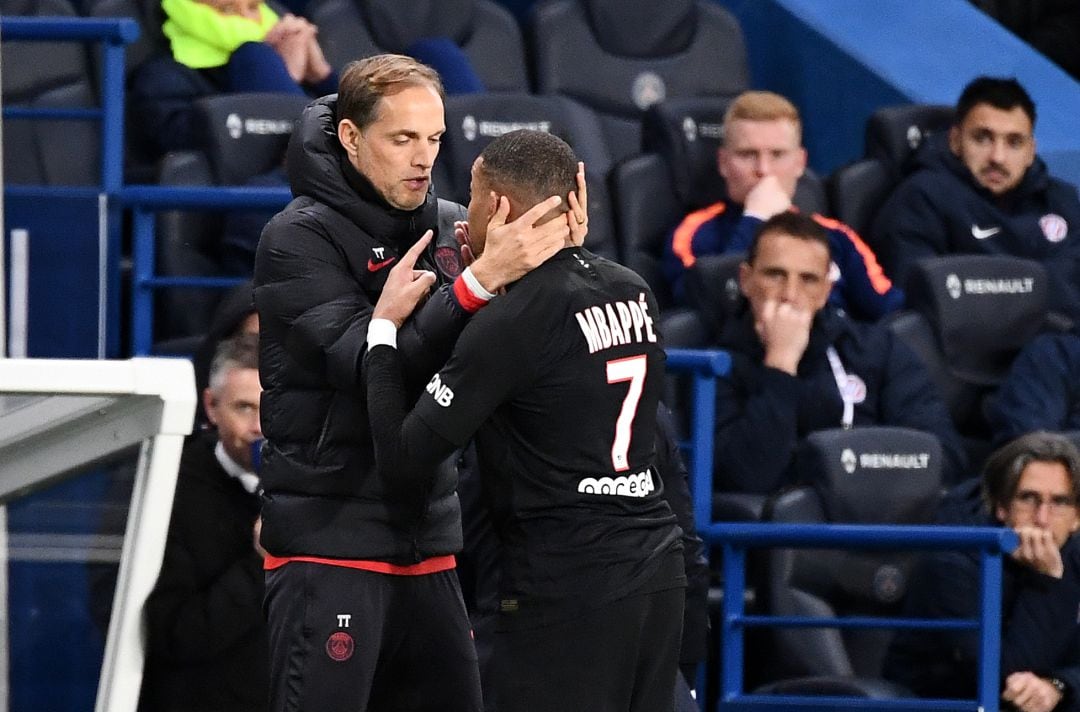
<point>981,233</point>
<point>376,266</point>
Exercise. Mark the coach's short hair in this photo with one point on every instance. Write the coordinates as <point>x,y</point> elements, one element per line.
<point>365,81</point>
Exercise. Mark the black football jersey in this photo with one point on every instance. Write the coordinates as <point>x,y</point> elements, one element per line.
<point>559,380</point>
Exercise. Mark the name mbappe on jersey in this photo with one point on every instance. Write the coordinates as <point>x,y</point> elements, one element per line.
<point>616,323</point>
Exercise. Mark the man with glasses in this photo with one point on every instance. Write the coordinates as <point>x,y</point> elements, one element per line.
<point>1031,485</point>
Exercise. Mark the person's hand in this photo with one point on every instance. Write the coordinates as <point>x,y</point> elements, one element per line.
<point>578,217</point>
<point>461,235</point>
<point>766,199</point>
<point>290,38</point>
<point>318,68</point>
<point>784,330</point>
<point>1039,551</point>
<point>257,535</point>
<point>513,249</point>
<point>405,286</point>
<point>1030,693</point>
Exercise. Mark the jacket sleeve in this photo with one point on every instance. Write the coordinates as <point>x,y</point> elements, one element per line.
<point>163,93</point>
<point>1035,395</point>
<point>189,619</point>
<point>407,451</point>
<point>673,474</point>
<point>868,293</point>
<point>304,285</point>
<point>909,228</point>
<point>1043,633</point>
<point>910,399</point>
<point>756,431</point>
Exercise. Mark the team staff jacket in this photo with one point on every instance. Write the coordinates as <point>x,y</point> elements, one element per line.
<point>762,413</point>
<point>1039,631</point>
<point>940,209</point>
<point>559,379</point>
<point>206,636</point>
<point>319,268</point>
<point>861,287</point>
<point>1042,390</point>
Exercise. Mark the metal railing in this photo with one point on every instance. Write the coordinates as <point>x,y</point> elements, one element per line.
<point>736,538</point>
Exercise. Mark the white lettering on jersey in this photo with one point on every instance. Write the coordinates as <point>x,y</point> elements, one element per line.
<point>639,484</point>
<point>441,393</point>
<point>615,323</point>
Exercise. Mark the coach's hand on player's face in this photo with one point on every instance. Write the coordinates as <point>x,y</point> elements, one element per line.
<point>512,249</point>
<point>405,286</point>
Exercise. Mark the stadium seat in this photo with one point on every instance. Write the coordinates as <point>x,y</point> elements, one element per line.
<point>857,190</point>
<point>486,32</point>
<point>246,135</point>
<point>621,56</point>
<point>675,175</point>
<point>872,475</point>
<point>473,120</point>
<point>972,315</point>
<point>50,75</point>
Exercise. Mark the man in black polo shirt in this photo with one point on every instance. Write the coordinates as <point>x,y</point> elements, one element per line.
<point>559,381</point>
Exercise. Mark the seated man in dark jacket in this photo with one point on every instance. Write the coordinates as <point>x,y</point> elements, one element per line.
<point>1042,390</point>
<point>800,366</point>
<point>205,634</point>
<point>761,162</point>
<point>1030,484</point>
<point>986,192</point>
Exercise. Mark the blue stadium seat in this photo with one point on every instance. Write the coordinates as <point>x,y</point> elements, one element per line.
<point>486,32</point>
<point>873,475</point>
<point>621,56</point>
<point>48,75</point>
<point>893,134</point>
<point>473,120</point>
<point>246,136</point>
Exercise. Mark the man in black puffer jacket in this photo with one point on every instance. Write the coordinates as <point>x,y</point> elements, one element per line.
<point>363,603</point>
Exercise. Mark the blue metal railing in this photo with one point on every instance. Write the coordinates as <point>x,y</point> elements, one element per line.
<point>145,202</point>
<point>736,538</point>
<point>114,35</point>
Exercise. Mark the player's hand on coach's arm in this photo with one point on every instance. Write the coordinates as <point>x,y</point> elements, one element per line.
<point>512,249</point>
<point>405,286</point>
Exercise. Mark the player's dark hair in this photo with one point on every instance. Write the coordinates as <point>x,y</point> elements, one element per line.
<point>999,92</point>
<point>791,224</point>
<point>1001,474</point>
<point>529,166</point>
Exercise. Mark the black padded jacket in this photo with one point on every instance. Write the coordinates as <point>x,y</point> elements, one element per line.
<point>319,269</point>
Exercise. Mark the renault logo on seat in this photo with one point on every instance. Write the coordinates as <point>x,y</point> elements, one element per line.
<point>848,460</point>
<point>953,286</point>
<point>468,127</point>
<point>234,125</point>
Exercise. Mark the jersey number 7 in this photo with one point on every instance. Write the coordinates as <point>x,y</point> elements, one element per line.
<point>630,369</point>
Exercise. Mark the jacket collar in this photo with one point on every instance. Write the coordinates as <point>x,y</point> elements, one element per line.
<point>319,169</point>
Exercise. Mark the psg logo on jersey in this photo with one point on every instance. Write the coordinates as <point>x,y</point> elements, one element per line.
<point>449,261</point>
<point>340,646</point>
